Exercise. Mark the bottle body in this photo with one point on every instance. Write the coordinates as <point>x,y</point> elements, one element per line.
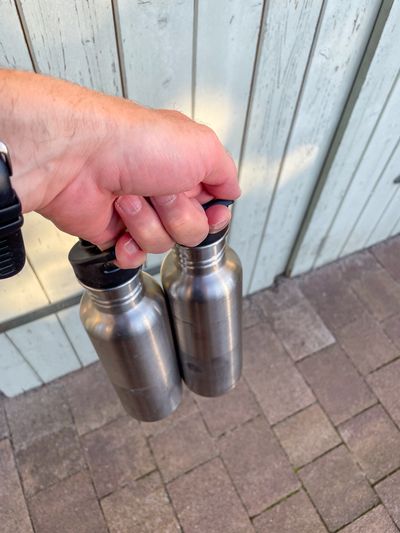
<point>129,328</point>
<point>204,291</point>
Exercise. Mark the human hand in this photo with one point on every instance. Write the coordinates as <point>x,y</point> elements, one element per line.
<point>110,171</point>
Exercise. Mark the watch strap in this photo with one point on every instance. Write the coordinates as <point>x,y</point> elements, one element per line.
<point>12,249</point>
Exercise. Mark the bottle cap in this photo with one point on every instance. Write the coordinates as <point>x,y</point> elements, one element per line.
<point>96,269</point>
<point>214,237</point>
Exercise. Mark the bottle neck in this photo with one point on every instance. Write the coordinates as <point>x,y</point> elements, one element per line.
<point>117,297</point>
<point>201,258</point>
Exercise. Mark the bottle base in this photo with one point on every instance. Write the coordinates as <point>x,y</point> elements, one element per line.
<point>209,392</point>
<point>148,405</point>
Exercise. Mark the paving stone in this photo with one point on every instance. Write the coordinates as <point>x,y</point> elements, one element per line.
<point>182,447</point>
<point>116,454</point>
<point>92,398</point>
<point>385,384</point>
<point>257,465</point>
<point>388,253</point>
<point>70,506</point>
<point>49,459</point>
<point>338,386</point>
<point>389,492</point>
<point>13,511</point>
<point>375,442</point>
<point>366,344</point>
<point>186,407</point>
<point>353,266</point>
<point>230,410</point>
<point>278,385</point>
<point>296,514</point>
<point>306,435</point>
<point>379,292</point>
<point>331,296</point>
<point>283,295</point>
<point>301,330</point>
<point>391,327</point>
<point>375,521</point>
<point>252,314</point>
<point>337,488</point>
<point>48,412</point>
<point>141,507</point>
<point>3,422</point>
<point>206,501</point>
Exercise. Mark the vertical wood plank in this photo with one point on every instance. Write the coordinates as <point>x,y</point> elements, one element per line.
<point>378,83</point>
<point>77,335</point>
<point>227,34</point>
<point>342,38</point>
<point>395,229</point>
<point>375,157</point>
<point>45,346</point>
<point>16,376</point>
<point>157,49</point>
<point>377,201</point>
<point>47,249</point>
<point>75,40</point>
<point>13,50</point>
<point>156,40</point>
<point>386,225</point>
<point>286,41</point>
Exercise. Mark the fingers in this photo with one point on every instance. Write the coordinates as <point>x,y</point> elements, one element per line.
<point>219,217</point>
<point>143,223</point>
<point>221,179</point>
<point>164,152</point>
<point>183,218</point>
<point>155,228</point>
<point>127,252</point>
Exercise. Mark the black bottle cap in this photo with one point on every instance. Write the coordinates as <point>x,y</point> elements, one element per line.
<point>214,237</point>
<point>95,268</point>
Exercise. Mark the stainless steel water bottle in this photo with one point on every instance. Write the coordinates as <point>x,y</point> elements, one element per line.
<point>125,315</point>
<point>203,285</point>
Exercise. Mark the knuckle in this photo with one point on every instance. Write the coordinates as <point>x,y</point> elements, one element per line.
<point>188,233</point>
<point>154,240</point>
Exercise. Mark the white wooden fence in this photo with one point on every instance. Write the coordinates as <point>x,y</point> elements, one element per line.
<point>304,94</point>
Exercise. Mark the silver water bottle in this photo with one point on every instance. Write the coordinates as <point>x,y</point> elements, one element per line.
<point>203,285</point>
<point>124,312</point>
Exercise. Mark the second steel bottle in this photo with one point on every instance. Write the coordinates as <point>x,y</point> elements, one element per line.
<point>203,285</point>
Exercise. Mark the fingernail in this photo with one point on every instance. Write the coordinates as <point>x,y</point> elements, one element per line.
<point>215,228</point>
<point>130,204</point>
<point>163,200</point>
<point>131,247</point>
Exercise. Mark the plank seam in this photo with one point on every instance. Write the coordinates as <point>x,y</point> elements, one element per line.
<point>288,139</point>
<point>24,358</point>
<point>120,49</point>
<point>38,279</point>
<point>250,100</point>
<point>254,76</point>
<point>27,38</point>
<point>70,341</point>
<point>194,56</point>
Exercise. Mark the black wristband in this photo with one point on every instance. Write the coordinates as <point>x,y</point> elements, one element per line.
<point>12,250</point>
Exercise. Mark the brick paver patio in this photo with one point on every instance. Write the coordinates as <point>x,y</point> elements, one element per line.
<point>308,442</point>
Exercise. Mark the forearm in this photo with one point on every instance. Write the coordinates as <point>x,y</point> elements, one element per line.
<point>41,117</point>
